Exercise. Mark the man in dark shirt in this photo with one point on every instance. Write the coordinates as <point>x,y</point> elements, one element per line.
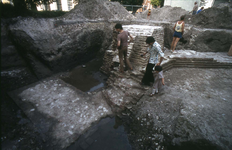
<point>122,46</point>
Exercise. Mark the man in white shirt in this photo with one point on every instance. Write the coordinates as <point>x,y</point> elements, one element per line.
<point>155,51</point>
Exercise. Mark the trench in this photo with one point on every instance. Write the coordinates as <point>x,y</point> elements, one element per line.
<point>87,77</point>
<point>120,133</point>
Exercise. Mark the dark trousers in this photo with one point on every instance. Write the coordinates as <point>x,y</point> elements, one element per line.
<point>148,76</point>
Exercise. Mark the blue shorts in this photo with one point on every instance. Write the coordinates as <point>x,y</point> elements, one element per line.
<point>177,34</point>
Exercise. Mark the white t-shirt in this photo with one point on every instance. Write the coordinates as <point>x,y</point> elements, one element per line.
<point>154,51</point>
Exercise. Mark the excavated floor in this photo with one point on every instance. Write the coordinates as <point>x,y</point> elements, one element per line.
<point>63,113</point>
<point>195,104</point>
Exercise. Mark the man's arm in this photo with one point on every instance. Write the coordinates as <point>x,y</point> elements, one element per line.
<point>163,81</point>
<point>119,42</point>
<point>161,59</point>
<point>161,54</point>
<point>174,27</point>
<point>183,28</point>
<point>131,39</point>
<point>146,51</point>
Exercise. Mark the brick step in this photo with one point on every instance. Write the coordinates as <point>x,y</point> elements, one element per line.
<point>191,61</point>
<point>135,78</point>
<point>137,58</point>
<point>196,63</point>
<point>137,62</point>
<point>201,62</point>
<point>194,59</point>
<point>204,66</point>
<point>137,53</point>
<point>167,68</point>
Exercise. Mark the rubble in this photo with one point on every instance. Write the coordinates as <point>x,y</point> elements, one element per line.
<point>222,5</point>
<point>166,13</point>
<point>212,18</point>
<point>98,10</point>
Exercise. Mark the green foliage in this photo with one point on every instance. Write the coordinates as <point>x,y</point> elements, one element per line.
<point>9,11</point>
<point>157,2</point>
<point>129,2</point>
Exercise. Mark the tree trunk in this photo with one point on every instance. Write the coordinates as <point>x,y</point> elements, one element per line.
<point>33,7</point>
<point>58,2</point>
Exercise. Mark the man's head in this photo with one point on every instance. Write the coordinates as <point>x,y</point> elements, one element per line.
<point>195,3</point>
<point>118,27</point>
<point>150,40</point>
<point>182,17</point>
<point>202,8</point>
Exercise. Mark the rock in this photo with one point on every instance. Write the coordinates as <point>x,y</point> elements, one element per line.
<point>230,51</point>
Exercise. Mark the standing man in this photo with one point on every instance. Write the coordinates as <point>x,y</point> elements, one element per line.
<point>155,50</point>
<point>195,8</point>
<point>122,39</point>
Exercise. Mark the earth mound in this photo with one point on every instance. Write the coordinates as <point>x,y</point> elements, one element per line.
<point>166,13</point>
<point>214,17</point>
<point>98,10</point>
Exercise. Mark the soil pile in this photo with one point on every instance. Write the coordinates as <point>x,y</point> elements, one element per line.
<point>99,10</point>
<point>166,13</point>
<point>221,5</point>
<point>215,17</point>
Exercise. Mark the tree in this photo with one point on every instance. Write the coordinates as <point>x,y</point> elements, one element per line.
<point>20,5</point>
<point>23,4</point>
<point>157,2</point>
<point>129,2</point>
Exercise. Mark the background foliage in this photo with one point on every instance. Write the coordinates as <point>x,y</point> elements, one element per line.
<point>129,2</point>
<point>157,2</point>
